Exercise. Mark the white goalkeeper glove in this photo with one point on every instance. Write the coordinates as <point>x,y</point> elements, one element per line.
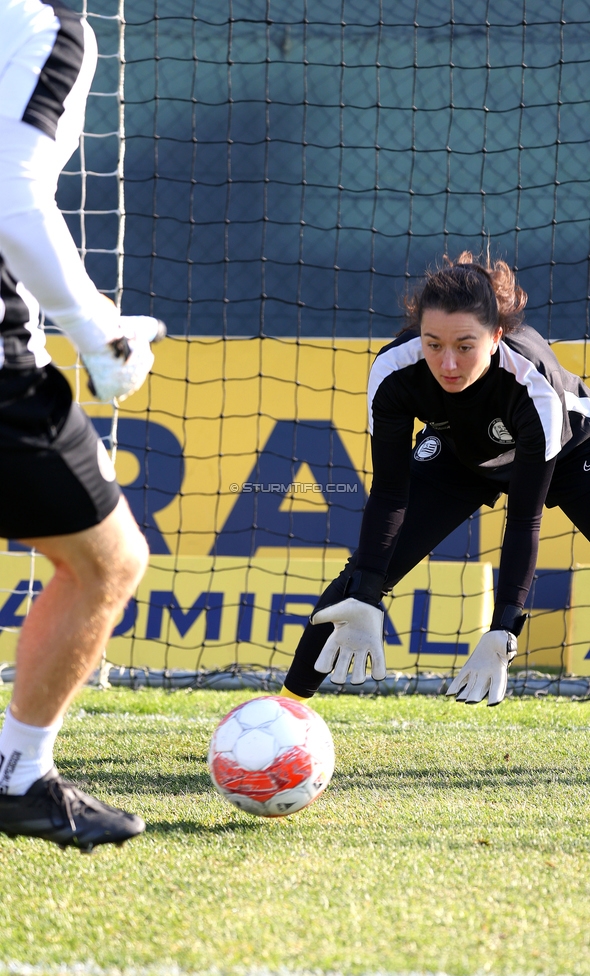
<point>358,635</point>
<point>486,671</point>
<point>121,366</point>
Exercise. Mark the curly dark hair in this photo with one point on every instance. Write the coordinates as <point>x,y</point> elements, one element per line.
<point>489,291</point>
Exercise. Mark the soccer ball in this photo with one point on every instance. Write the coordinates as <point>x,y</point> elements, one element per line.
<point>271,756</point>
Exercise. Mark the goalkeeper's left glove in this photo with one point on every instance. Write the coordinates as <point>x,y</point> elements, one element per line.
<point>486,671</point>
<point>120,367</point>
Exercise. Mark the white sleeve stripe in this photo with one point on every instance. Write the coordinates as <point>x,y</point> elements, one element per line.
<point>36,344</point>
<point>544,398</point>
<point>398,357</point>
<point>577,404</point>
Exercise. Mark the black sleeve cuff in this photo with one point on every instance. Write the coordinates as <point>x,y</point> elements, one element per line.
<point>507,617</point>
<point>366,586</point>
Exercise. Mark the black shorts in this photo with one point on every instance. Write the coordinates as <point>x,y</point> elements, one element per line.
<point>571,478</point>
<point>55,475</point>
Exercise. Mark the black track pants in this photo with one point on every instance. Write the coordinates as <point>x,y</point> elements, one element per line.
<point>439,503</point>
<point>431,516</point>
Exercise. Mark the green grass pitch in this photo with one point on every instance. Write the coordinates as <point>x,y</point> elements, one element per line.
<point>452,839</point>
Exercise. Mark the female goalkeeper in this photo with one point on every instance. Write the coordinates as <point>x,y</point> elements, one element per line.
<point>500,415</point>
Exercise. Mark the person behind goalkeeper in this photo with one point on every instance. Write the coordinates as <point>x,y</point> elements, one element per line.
<point>57,486</point>
<point>500,415</point>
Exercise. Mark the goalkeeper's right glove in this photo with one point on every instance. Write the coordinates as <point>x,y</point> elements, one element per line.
<point>357,635</point>
<point>358,631</point>
<point>121,366</point>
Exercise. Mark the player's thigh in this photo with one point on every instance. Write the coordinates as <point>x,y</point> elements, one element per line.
<point>578,511</point>
<point>55,475</point>
<point>114,552</point>
<point>443,494</point>
<point>570,487</point>
<point>431,516</point>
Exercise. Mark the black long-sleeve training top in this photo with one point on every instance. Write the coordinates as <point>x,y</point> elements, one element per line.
<point>510,426</point>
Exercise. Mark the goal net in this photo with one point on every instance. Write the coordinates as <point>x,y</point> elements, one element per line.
<point>288,171</point>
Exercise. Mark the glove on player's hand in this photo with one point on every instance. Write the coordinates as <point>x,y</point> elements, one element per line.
<point>486,671</point>
<point>358,635</point>
<point>121,366</point>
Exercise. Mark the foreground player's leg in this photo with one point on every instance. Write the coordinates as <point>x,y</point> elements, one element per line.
<point>96,571</point>
<point>431,516</point>
<point>62,639</point>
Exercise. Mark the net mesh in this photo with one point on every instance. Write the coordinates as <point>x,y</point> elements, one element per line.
<point>298,163</point>
<point>290,170</point>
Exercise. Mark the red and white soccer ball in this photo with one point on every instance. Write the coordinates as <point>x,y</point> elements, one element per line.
<point>271,756</point>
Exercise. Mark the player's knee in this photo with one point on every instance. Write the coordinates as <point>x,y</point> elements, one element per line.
<point>135,560</point>
<point>108,579</point>
<point>121,572</point>
<point>122,532</point>
<point>107,562</point>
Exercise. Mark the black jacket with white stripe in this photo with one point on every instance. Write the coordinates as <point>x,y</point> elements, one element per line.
<point>510,426</point>
<point>526,405</point>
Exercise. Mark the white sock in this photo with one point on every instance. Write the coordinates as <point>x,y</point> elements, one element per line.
<point>26,753</point>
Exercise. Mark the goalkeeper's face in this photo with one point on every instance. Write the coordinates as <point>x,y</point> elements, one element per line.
<point>457,347</point>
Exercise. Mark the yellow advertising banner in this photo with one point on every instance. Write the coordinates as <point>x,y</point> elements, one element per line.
<point>191,612</point>
<point>221,422</point>
<point>240,451</point>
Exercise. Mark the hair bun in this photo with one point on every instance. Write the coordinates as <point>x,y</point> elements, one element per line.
<point>486,289</point>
